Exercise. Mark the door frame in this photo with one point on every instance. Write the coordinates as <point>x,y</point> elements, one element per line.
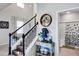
<point>58,20</point>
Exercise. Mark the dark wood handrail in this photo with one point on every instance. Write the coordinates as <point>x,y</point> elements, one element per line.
<point>23,25</point>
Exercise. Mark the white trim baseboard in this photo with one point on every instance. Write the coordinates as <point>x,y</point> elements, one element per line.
<point>4,44</point>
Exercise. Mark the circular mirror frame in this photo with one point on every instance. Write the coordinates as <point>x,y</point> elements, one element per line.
<point>42,19</point>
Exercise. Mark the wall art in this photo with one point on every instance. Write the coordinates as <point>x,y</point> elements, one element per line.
<point>4,24</point>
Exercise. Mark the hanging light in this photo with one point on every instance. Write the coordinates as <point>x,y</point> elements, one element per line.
<point>67,12</point>
<point>20,5</point>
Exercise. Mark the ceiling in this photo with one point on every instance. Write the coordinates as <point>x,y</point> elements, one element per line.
<point>76,10</point>
<point>13,10</point>
<point>4,5</point>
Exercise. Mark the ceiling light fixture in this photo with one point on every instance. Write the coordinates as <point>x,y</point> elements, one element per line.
<point>20,5</point>
<point>67,12</point>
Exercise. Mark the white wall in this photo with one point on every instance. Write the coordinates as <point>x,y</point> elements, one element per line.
<point>23,14</point>
<point>5,32</point>
<point>65,18</point>
<point>52,8</point>
<point>61,34</point>
<point>13,10</point>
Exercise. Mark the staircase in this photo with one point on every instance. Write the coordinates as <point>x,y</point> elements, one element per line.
<point>18,51</point>
<point>21,46</point>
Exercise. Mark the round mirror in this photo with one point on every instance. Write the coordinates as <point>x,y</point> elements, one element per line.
<point>46,20</point>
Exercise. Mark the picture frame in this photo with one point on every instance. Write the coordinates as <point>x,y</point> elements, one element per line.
<point>4,25</point>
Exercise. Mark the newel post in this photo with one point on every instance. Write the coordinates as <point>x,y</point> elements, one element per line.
<point>23,36</point>
<point>9,44</point>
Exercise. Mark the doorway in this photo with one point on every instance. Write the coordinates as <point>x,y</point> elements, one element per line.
<point>69,32</point>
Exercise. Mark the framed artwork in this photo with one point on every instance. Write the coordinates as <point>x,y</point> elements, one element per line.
<point>4,24</point>
<point>45,20</point>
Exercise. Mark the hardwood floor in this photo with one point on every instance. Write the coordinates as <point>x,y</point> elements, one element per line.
<point>63,51</point>
<point>69,52</point>
<point>4,50</point>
